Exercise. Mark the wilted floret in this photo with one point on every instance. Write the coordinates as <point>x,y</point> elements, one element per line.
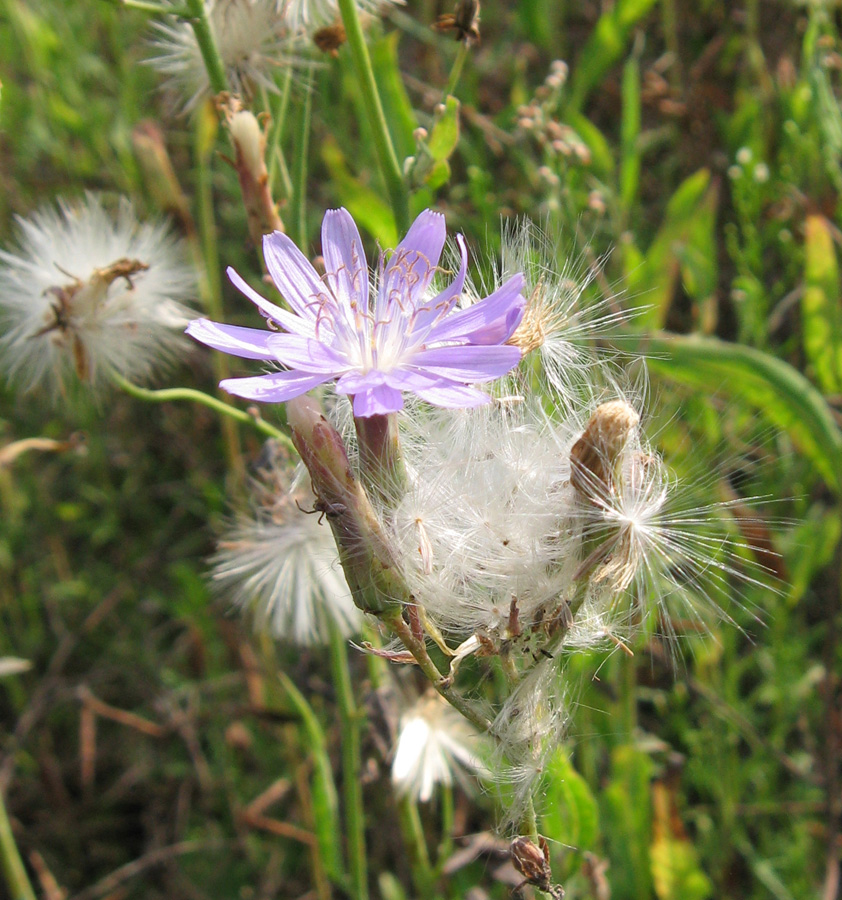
<point>435,746</point>
<point>87,294</point>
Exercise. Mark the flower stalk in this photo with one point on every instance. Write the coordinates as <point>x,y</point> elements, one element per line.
<point>199,21</point>
<point>381,462</point>
<point>364,552</point>
<point>14,872</point>
<point>416,845</point>
<point>350,720</point>
<point>376,117</point>
<point>168,395</point>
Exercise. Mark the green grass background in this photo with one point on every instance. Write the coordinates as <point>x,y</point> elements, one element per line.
<point>712,174</point>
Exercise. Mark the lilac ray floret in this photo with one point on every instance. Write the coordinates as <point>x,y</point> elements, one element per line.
<point>377,337</point>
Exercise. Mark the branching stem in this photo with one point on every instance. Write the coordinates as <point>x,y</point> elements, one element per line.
<point>167,395</point>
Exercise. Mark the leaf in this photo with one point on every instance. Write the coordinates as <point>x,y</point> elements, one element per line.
<point>675,871</point>
<point>675,867</point>
<point>821,306</point>
<point>630,134</point>
<point>684,245</point>
<point>325,799</point>
<point>365,205</point>
<point>605,46</point>
<point>439,175</point>
<point>811,546</point>
<point>445,134</point>
<point>627,818</point>
<point>396,105</point>
<point>602,158</point>
<point>784,396</point>
<point>572,815</point>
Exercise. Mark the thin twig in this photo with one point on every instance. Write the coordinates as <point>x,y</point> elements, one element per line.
<point>148,861</point>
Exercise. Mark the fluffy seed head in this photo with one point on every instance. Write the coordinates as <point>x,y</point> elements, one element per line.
<point>282,563</point>
<point>86,294</point>
<point>254,41</point>
<point>435,746</point>
<point>560,322</point>
<point>483,526</point>
<point>311,15</point>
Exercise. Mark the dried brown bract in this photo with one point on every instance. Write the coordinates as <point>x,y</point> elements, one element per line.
<point>593,458</point>
<point>330,38</point>
<point>463,21</point>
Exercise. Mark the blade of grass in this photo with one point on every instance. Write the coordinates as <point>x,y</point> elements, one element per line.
<point>784,395</point>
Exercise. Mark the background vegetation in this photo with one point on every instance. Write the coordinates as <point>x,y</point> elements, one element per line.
<point>145,753</point>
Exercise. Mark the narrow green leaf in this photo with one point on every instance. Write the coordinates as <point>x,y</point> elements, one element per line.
<point>396,105</point>
<point>630,134</point>
<point>572,815</point>
<point>438,175</point>
<point>365,205</point>
<point>605,47</point>
<point>325,798</point>
<point>810,547</point>
<point>684,245</point>
<point>602,156</point>
<point>675,871</point>
<point>627,814</point>
<point>821,306</point>
<point>784,396</point>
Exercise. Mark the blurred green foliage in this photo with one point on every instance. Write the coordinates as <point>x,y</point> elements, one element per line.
<point>701,144</point>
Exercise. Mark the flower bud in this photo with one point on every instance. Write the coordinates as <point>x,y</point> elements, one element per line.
<point>594,457</point>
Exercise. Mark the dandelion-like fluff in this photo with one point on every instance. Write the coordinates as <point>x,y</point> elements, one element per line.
<point>87,294</point>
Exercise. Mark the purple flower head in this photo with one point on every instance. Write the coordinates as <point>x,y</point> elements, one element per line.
<point>375,341</point>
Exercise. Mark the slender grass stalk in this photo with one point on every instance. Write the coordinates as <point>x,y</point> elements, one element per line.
<point>197,15</point>
<point>302,149</point>
<point>274,153</point>
<point>14,872</point>
<point>206,130</point>
<point>456,70</point>
<point>445,848</point>
<point>159,8</point>
<point>529,823</point>
<point>386,155</point>
<point>423,876</point>
<point>350,718</point>
<point>168,395</point>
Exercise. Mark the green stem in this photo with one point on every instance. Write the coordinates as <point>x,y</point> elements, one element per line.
<point>456,71</point>
<point>376,117</point>
<point>274,154</point>
<point>166,395</point>
<point>302,149</point>
<point>381,462</point>
<point>350,718</point>
<point>423,876</point>
<point>198,16</point>
<point>14,872</point>
<point>206,131</point>
<point>447,813</point>
<point>159,8</point>
<point>444,686</point>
